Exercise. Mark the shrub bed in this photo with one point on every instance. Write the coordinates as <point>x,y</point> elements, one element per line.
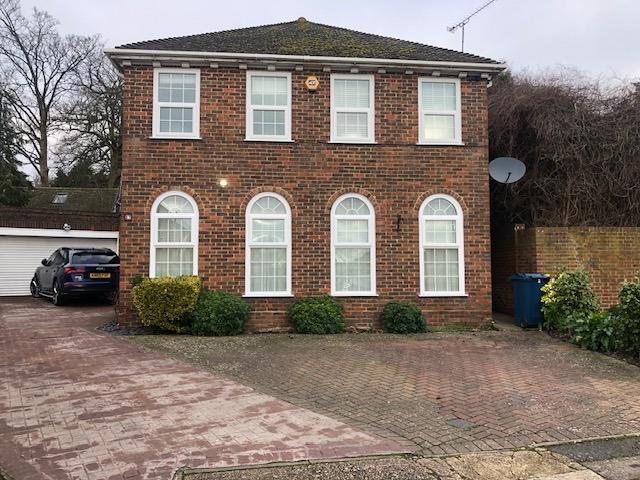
<point>402,317</point>
<point>317,315</point>
<point>570,307</point>
<point>219,314</point>
<point>165,302</point>
<point>568,293</point>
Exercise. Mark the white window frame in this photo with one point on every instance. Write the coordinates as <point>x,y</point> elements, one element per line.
<point>371,111</point>
<point>195,216</point>
<point>158,104</point>
<point>249,136</point>
<point>457,113</point>
<point>459,244</point>
<point>249,244</point>
<point>371,244</point>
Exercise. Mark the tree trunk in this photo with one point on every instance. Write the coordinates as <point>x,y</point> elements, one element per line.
<point>43,169</point>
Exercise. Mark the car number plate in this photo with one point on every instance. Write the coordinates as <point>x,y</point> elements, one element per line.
<point>99,275</point>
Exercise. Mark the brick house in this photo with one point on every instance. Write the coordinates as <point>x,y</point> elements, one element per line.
<point>300,159</point>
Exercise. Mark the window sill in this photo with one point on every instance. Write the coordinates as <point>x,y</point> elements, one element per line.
<point>353,142</point>
<point>353,294</point>
<point>267,295</point>
<point>272,140</point>
<point>156,137</point>
<point>440,144</point>
<point>443,295</point>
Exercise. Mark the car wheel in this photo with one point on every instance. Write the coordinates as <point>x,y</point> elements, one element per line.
<point>57,297</point>
<point>34,287</point>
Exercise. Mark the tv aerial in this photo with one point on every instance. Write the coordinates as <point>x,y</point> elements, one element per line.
<point>506,169</point>
<point>465,20</point>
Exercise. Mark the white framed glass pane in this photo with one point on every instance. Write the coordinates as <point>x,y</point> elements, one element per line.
<point>441,270</point>
<point>440,206</point>
<point>438,96</point>
<point>268,269</point>
<point>268,204</point>
<point>175,204</point>
<point>269,90</point>
<point>352,231</point>
<point>267,230</point>
<point>174,262</point>
<point>353,269</point>
<point>351,93</point>
<point>352,125</point>
<point>439,127</point>
<point>269,122</point>
<point>176,119</point>
<point>174,230</point>
<point>177,87</point>
<point>440,231</point>
<point>352,206</point>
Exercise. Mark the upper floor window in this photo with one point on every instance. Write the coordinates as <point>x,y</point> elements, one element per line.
<point>353,251</point>
<point>176,103</point>
<point>439,121</point>
<point>174,236</point>
<point>268,106</point>
<point>441,247</point>
<point>268,246</point>
<point>352,108</point>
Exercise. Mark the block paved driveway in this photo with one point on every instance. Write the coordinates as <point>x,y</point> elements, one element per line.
<point>77,403</point>
<point>438,393</point>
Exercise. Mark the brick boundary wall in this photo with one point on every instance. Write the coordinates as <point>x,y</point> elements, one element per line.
<point>16,217</point>
<point>395,174</point>
<point>610,254</point>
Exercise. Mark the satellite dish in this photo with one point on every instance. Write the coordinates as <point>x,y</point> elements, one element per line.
<point>506,169</point>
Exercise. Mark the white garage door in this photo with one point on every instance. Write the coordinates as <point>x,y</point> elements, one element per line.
<point>20,255</point>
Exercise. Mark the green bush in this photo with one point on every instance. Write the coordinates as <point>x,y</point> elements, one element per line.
<point>401,317</point>
<point>318,315</point>
<point>219,314</point>
<point>136,280</point>
<point>165,302</point>
<point>627,323</point>
<point>593,331</point>
<point>568,293</point>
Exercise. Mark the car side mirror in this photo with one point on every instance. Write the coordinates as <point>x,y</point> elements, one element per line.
<point>44,262</point>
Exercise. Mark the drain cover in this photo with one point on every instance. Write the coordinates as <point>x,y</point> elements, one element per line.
<point>460,423</point>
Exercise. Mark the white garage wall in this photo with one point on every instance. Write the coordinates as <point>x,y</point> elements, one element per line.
<point>21,251</point>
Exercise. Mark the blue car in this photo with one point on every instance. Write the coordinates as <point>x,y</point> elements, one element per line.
<point>77,272</point>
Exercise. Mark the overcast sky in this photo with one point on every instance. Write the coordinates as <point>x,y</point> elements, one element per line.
<point>599,37</point>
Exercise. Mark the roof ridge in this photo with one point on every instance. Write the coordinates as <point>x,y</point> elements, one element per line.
<point>207,33</point>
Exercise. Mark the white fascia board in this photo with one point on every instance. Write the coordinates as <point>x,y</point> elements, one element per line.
<point>56,233</point>
<point>169,55</point>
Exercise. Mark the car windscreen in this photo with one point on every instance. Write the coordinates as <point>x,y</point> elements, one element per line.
<point>94,258</point>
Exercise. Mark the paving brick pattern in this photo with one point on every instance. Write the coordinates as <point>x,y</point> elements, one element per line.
<point>440,393</point>
<point>76,403</point>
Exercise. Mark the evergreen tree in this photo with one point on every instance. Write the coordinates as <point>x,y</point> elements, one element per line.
<point>14,185</point>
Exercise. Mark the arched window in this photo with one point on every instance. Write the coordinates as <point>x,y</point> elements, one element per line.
<point>268,246</point>
<point>174,236</point>
<point>353,246</point>
<point>441,247</point>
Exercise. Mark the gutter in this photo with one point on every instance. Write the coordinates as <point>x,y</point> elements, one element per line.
<point>122,54</point>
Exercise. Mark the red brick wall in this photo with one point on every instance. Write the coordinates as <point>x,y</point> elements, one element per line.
<point>611,255</point>
<point>395,174</point>
<point>31,218</point>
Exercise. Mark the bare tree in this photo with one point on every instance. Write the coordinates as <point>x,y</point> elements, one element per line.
<point>91,122</point>
<point>38,64</point>
<point>580,140</point>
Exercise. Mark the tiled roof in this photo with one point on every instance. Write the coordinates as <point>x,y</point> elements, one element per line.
<point>302,37</point>
<point>93,200</point>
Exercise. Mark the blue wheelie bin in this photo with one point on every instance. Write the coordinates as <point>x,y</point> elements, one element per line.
<point>527,293</point>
